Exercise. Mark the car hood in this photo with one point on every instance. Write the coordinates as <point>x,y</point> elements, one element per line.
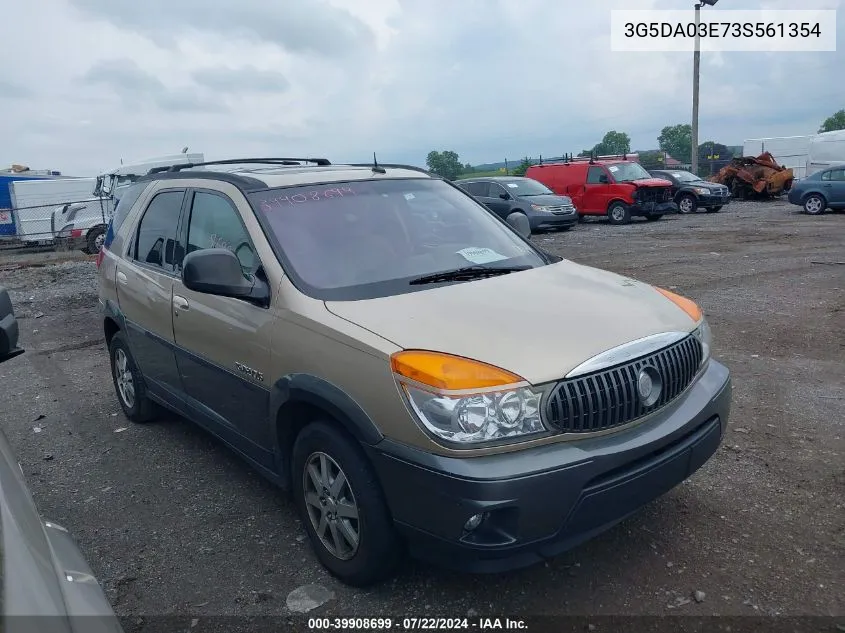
<point>703,184</point>
<point>548,200</point>
<point>539,323</point>
<point>651,182</point>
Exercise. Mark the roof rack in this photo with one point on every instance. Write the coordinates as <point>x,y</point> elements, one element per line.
<point>322,162</point>
<point>394,166</point>
<point>592,158</point>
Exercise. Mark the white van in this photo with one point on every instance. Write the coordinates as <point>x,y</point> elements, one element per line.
<point>826,149</point>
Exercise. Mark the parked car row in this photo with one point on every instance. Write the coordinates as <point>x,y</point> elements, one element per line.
<point>556,195</point>
<point>820,191</point>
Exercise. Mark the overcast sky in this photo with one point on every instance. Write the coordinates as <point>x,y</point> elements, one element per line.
<point>85,83</point>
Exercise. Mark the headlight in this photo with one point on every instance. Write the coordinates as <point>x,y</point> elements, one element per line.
<point>540,208</point>
<point>466,401</point>
<point>482,417</point>
<point>702,191</point>
<point>705,336</point>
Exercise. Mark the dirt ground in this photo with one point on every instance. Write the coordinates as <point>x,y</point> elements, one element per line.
<point>173,523</point>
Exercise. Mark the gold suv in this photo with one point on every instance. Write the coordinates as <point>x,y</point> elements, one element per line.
<point>418,373</point>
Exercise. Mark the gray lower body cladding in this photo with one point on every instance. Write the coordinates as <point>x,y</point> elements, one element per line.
<point>539,502</point>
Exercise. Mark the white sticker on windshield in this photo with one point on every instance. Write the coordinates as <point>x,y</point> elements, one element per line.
<point>481,255</point>
<point>409,196</point>
<point>613,168</point>
<point>513,185</point>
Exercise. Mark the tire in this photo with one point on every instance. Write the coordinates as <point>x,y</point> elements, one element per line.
<point>814,204</point>
<point>138,408</point>
<point>95,240</point>
<point>715,209</point>
<point>618,213</point>
<point>653,217</point>
<point>378,550</point>
<point>687,204</point>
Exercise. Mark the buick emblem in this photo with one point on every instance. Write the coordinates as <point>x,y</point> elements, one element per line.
<point>649,385</point>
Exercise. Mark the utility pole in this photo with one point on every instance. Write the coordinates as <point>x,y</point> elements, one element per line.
<point>696,68</point>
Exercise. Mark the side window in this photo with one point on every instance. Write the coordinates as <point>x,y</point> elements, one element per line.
<point>127,200</point>
<point>828,175</point>
<point>838,175</point>
<point>156,241</point>
<point>477,188</point>
<point>594,175</point>
<point>495,190</point>
<point>216,223</point>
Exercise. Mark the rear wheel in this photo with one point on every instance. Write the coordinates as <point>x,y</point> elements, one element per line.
<point>814,204</point>
<point>342,506</point>
<point>618,213</point>
<point>95,239</point>
<point>128,382</point>
<point>687,204</point>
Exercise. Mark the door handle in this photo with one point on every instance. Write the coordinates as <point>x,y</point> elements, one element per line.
<point>181,303</point>
<point>121,278</point>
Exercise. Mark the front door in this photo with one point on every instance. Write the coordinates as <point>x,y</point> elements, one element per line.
<point>596,190</point>
<point>144,290</point>
<point>223,344</point>
<point>494,201</point>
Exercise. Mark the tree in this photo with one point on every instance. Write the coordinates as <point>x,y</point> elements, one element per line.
<point>713,156</point>
<point>446,164</point>
<point>652,159</point>
<point>520,169</point>
<point>676,140</point>
<point>833,123</point>
<point>613,143</point>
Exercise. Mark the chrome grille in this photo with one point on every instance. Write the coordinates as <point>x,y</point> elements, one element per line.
<point>562,210</point>
<point>610,398</point>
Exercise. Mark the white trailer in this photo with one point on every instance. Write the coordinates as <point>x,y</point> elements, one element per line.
<point>826,149</point>
<point>790,151</point>
<point>35,200</point>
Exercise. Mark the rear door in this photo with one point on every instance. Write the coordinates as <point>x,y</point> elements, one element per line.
<point>145,278</point>
<point>223,344</point>
<point>834,188</point>
<point>596,189</point>
<point>495,202</point>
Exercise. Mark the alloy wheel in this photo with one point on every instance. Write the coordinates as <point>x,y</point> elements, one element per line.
<point>331,506</point>
<point>123,378</point>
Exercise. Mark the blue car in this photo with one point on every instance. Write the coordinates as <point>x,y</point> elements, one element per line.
<point>822,190</point>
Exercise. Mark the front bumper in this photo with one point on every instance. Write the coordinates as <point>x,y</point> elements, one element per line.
<point>713,201</point>
<point>649,208</point>
<point>548,221</point>
<point>542,501</point>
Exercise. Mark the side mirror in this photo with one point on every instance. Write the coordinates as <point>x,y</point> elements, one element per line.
<point>217,271</point>
<point>8,328</point>
<point>519,223</point>
<point>505,196</point>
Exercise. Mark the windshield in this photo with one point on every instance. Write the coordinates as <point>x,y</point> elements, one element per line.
<point>627,172</point>
<point>526,187</point>
<point>367,239</point>
<point>685,176</point>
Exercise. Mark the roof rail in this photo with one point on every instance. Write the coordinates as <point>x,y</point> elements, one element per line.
<point>593,158</point>
<point>322,162</point>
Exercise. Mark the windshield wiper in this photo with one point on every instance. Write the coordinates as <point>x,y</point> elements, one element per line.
<point>467,274</point>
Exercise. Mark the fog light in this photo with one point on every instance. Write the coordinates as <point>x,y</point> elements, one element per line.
<point>474,521</point>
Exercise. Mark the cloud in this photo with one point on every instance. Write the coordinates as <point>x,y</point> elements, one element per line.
<point>9,90</point>
<point>241,80</point>
<point>136,86</point>
<point>489,79</point>
<point>297,26</point>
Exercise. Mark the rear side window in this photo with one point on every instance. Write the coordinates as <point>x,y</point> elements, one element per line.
<point>216,223</point>
<point>156,241</point>
<point>476,188</point>
<point>835,174</point>
<point>126,202</point>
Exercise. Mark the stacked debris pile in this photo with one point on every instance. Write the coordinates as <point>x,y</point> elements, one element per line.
<point>755,177</point>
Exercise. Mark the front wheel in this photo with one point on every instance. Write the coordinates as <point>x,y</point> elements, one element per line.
<point>619,213</point>
<point>342,506</point>
<point>815,204</point>
<point>95,239</point>
<point>687,204</point>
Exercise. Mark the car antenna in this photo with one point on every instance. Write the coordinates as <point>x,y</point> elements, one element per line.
<point>376,168</point>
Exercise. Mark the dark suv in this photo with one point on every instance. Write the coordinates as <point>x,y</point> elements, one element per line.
<point>544,209</point>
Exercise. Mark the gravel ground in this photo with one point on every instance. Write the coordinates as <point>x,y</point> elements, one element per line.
<point>173,523</point>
